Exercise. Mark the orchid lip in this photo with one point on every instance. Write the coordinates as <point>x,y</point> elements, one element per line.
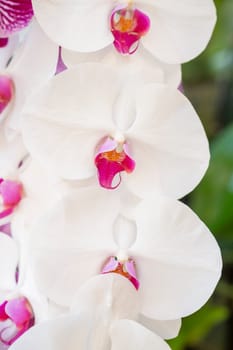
<point>111,159</point>
<point>15,15</point>
<point>125,268</point>
<point>6,91</point>
<point>3,42</point>
<point>16,317</point>
<point>128,26</point>
<point>11,194</point>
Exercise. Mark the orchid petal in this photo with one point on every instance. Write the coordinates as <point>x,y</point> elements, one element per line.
<point>55,256</point>
<point>7,51</point>
<point>28,69</point>
<point>138,68</point>
<point>168,159</point>
<point>59,130</point>
<point>108,295</point>
<point>70,332</point>
<point>130,335</point>
<point>124,233</point>
<point>178,260</point>
<point>8,263</point>
<point>76,17</point>
<point>165,329</point>
<point>173,26</point>
<point>12,152</point>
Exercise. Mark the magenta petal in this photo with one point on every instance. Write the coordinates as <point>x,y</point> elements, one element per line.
<point>6,212</point>
<point>128,164</point>
<point>130,268</point>
<point>6,91</point>
<point>110,266</point>
<point>19,311</point>
<point>6,228</point>
<point>14,15</point>
<point>3,315</point>
<point>106,144</point>
<point>11,192</point>
<point>3,42</point>
<point>60,63</point>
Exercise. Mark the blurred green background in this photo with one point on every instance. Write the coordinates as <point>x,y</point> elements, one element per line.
<point>208,82</point>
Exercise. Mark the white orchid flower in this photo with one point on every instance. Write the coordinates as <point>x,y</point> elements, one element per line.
<point>172,33</point>
<point>103,317</point>
<point>172,249</point>
<point>83,123</point>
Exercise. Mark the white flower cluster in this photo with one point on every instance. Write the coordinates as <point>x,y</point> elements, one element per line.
<point>97,146</point>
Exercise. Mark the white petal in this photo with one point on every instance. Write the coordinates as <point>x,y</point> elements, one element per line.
<point>29,70</point>
<point>127,334</point>
<point>140,67</point>
<point>73,58</point>
<point>41,190</point>
<point>72,242</point>
<point>7,52</point>
<point>8,262</point>
<point>107,297</point>
<point>66,151</point>
<point>38,182</point>
<point>67,332</point>
<point>124,232</point>
<point>82,26</point>
<point>167,158</point>
<point>178,33</point>
<point>12,153</point>
<point>62,129</point>
<point>28,288</point>
<point>165,329</point>
<point>178,260</point>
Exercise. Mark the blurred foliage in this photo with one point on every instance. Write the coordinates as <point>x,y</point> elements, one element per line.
<point>213,200</point>
<point>208,83</point>
<point>198,326</point>
<point>217,60</point>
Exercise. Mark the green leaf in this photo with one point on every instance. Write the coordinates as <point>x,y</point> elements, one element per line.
<point>196,327</point>
<point>213,199</point>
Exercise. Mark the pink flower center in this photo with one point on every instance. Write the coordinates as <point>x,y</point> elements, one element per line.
<point>14,15</point>
<point>11,194</point>
<point>6,91</point>
<point>112,158</point>
<point>124,268</point>
<point>128,25</point>
<point>16,317</point>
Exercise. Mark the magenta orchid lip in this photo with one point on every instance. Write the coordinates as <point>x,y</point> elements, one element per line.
<point>6,91</point>
<point>16,317</point>
<point>124,268</point>
<point>3,42</point>
<point>11,194</point>
<point>128,26</point>
<point>15,15</point>
<point>111,159</point>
